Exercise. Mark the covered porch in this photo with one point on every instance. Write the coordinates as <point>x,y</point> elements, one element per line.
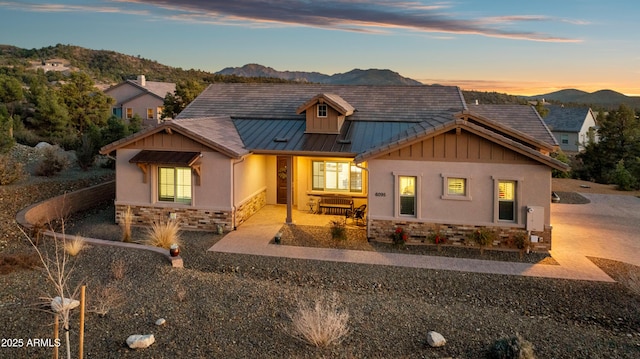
<point>260,229</point>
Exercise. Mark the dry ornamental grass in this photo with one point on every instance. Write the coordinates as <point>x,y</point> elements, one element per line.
<point>320,325</point>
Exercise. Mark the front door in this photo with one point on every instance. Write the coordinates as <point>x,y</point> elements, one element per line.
<point>281,180</point>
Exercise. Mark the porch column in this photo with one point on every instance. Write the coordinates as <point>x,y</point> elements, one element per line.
<point>289,220</point>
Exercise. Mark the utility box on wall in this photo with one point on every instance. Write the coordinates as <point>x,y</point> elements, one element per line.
<point>535,218</point>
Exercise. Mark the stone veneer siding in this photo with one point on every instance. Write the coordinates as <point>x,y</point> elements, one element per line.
<point>248,208</point>
<point>456,235</point>
<point>194,218</point>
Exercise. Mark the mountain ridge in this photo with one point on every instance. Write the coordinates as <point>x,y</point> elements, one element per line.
<point>353,77</point>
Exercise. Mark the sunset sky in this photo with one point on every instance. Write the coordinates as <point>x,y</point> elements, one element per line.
<point>517,47</point>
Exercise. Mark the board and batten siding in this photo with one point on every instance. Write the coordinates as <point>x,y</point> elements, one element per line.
<point>330,124</point>
<point>463,147</point>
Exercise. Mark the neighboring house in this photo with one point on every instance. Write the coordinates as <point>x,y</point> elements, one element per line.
<point>416,155</point>
<point>572,127</point>
<point>140,97</point>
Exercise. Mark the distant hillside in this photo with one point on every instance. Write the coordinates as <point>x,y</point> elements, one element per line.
<point>110,67</point>
<point>607,99</point>
<point>353,77</point>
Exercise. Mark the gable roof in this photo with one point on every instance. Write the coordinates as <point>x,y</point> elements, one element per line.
<point>333,100</point>
<point>425,130</point>
<point>154,88</point>
<point>217,133</point>
<point>567,119</point>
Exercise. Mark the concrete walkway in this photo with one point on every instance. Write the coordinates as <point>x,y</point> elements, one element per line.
<point>255,235</point>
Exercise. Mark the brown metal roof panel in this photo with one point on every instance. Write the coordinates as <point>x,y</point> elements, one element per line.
<point>170,158</point>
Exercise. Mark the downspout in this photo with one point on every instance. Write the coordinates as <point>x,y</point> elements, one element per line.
<point>233,190</point>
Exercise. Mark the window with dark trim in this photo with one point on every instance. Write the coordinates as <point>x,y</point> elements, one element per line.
<point>174,184</point>
<point>507,200</point>
<point>407,189</point>
<point>336,176</point>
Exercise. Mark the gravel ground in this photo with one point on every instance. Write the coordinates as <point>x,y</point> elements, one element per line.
<point>237,306</point>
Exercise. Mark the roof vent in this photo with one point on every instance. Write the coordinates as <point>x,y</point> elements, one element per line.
<point>280,139</point>
<point>343,142</point>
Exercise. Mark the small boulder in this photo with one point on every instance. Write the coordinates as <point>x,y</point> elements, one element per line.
<point>435,339</point>
<point>58,304</point>
<point>139,341</point>
<point>161,321</point>
<point>42,145</point>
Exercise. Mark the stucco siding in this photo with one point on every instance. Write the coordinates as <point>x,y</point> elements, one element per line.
<point>534,188</point>
<point>250,177</point>
<point>212,193</point>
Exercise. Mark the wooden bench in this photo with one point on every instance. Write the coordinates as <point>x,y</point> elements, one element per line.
<point>335,205</point>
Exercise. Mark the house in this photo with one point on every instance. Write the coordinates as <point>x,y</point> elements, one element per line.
<point>573,127</point>
<point>417,156</point>
<point>140,97</point>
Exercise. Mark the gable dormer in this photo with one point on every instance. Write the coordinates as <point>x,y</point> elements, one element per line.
<point>325,113</point>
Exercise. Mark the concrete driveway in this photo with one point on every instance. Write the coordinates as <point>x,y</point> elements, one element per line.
<point>608,227</point>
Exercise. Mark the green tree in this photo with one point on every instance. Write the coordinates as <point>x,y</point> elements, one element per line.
<point>542,109</point>
<point>186,91</point>
<point>618,140</point>
<point>85,103</point>
<point>49,117</point>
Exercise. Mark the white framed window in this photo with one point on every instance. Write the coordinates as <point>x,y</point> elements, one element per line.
<point>564,139</point>
<point>174,184</point>
<point>456,187</point>
<point>150,114</point>
<point>336,176</point>
<point>322,110</point>
<point>129,113</point>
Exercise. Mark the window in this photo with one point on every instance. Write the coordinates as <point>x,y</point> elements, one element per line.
<point>150,114</point>
<point>159,111</point>
<point>129,113</point>
<point>322,110</point>
<point>564,139</point>
<point>507,201</point>
<point>407,189</point>
<point>174,184</point>
<point>336,176</point>
<point>456,186</point>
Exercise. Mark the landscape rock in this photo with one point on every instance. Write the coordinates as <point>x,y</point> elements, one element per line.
<point>139,341</point>
<point>161,321</point>
<point>435,339</point>
<point>58,305</point>
<point>42,145</point>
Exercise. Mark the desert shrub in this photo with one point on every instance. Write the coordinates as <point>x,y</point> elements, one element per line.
<point>322,324</point>
<point>105,298</point>
<point>399,236</point>
<point>12,262</point>
<point>163,234</point>
<point>118,269</point>
<point>127,220</point>
<point>74,246</point>
<point>512,348</point>
<point>10,170</point>
<point>338,230</point>
<point>484,237</point>
<point>53,161</point>
<point>521,241</point>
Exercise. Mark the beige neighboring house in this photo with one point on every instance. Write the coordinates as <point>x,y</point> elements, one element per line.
<point>140,97</point>
<point>417,156</point>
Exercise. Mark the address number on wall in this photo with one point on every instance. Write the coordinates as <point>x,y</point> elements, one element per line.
<point>381,194</point>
